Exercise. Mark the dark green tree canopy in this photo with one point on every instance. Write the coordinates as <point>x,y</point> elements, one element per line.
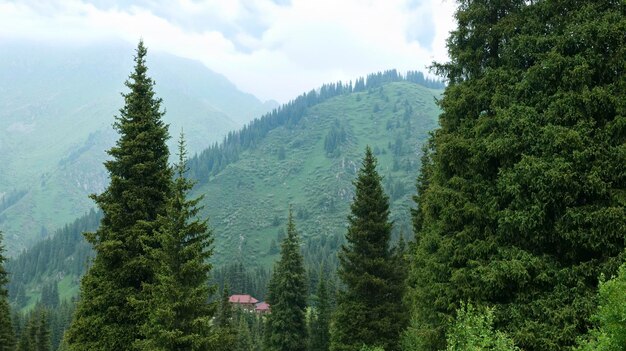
<point>521,200</point>
<point>140,186</point>
<point>180,314</point>
<point>7,335</point>
<point>286,325</point>
<point>369,310</point>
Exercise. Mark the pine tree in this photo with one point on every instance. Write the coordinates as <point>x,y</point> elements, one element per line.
<point>369,310</point>
<point>180,315</point>
<point>224,334</point>
<point>7,335</point>
<point>320,319</point>
<point>107,317</point>
<point>286,324</point>
<point>44,342</point>
<point>244,338</point>
<point>521,201</point>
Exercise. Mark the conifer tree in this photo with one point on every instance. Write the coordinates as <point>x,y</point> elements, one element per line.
<point>224,334</point>
<point>369,310</point>
<point>180,314</point>
<point>521,203</point>
<point>320,319</point>
<point>286,324</point>
<point>106,317</point>
<point>7,335</point>
<point>244,338</point>
<point>44,342</point>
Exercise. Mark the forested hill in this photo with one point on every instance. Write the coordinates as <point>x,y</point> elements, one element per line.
<point>57,104</point>
<point>305,154</point>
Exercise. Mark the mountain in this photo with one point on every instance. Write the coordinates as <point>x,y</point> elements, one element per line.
<point>309,163</point>
<point>305,154</point>
<point>56,110</point>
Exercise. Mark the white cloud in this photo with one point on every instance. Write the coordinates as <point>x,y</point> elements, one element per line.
<point>269,50</point>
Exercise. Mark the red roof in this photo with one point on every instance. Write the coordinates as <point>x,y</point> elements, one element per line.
<point>243,299</point>
<point>262,307</point>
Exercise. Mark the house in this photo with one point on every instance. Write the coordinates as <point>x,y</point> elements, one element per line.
<point>245,302</point>
<point>262,308</point>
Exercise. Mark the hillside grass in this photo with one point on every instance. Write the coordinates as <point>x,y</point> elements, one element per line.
<point>243,199</point>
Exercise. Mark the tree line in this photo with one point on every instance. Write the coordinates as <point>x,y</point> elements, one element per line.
<point>213,159</point>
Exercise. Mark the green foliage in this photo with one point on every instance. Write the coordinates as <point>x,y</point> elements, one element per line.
<point>7,335</point>
<point>50,295</point>
<point>319,335</point>
<point>241,279</point>
<point>520,202</point>
<point>106,316</point>
<point>369,310</point>
<point>65,254</point>
<point>244,338</point>
<point>610,317</point>
<point>35,334</point>
<point>333,140</point>
<point>473,330</point>
<point>224,333</point>
<point>372,348</point>
<point>179,313</point>
<point>286,325</point>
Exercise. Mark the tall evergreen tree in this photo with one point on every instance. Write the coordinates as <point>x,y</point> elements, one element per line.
<point>320,318</point>
<point>244,338</point>
<point>286,325</point>
<point>521,201</point>
<point>44,342</point>
<point>369,310</point>
<point>180,314</point>
<point>224,334</point>
<point>106,316</point>
<point>7,335</point>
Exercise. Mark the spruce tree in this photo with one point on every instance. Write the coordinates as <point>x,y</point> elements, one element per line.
<point>44,342</point>
<point>224,333</point>
<point>180,314</point>
<point>286,324</point>
<point>521,202</point>
<point>320,318</point>
<point>7,335</point>
<point>107,317</point>
<point>369,309</point>
<point>244,338</point>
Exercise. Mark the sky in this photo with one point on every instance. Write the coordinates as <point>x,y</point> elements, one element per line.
<point>274,49</point>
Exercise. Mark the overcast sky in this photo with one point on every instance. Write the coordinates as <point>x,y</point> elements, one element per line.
<point>274,49</point>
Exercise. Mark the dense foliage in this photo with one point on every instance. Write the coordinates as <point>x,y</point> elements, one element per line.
<point>521,200</point>
<point>35,334</point>
<point>179,313</point>
<point>370,309</point>
<point>610,317</point>
<point>64,254</point>
<point>320,316</point>
<point>7,335</point>
<point>287,296</point>
<point>106,317</point>
<point>473,330</point>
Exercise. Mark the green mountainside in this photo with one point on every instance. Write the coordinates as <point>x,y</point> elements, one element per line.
<point>56,109</point>
<point>311,164</point>
<point>304,154</point>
